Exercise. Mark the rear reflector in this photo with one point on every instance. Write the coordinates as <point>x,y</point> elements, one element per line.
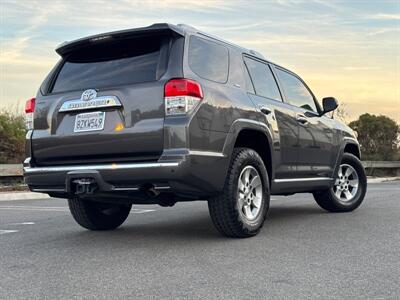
<point>30,105</point>
<point>29,110</point>
<point>181,96</point>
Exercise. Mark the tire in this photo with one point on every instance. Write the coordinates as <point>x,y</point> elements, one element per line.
<point>337,198</point>
<point>97,215</point>
<point>230,211</point>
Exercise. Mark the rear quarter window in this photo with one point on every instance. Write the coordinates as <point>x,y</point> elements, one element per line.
<point>208,60</point>
<point>263,79</point>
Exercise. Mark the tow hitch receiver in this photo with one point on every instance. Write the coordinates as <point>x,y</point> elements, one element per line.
<point>84,186</point>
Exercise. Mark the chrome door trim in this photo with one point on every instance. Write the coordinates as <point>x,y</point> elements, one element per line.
<point>283,180</point>
<point>206,153</point>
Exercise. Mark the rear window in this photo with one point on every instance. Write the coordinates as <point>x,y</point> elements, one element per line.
<point>110,64</point>
<point>209,60</point>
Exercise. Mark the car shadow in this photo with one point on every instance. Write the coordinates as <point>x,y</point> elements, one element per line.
<point>194,227</point>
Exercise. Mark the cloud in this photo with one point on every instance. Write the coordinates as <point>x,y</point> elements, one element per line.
<point>382,16</point>
<point>383,31</point>
<point>354,68</point>
<point>327,41</point>
<point>12,48</point>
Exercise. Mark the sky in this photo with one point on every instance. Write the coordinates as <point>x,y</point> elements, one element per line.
<point>346,49</point>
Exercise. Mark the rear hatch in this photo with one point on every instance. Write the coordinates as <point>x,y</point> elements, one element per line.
<point>104,102</point>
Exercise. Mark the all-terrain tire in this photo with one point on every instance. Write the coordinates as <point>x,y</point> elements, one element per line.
<point>330,202</point>
<point>97,215</point>
<point>225,210</point>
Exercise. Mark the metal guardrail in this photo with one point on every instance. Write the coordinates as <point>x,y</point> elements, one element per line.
<point>381,164</point>
<point>15,170</point>
<point>382,168</point>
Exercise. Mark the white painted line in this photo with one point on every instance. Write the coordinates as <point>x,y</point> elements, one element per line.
<point>7,231</point>
<point>23,223</point>
<point>33,208</point>
<point>141,211</point>
<point>57,208</point>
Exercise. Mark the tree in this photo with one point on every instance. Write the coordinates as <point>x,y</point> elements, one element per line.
<point>341,113</point>
<point>378,136</point>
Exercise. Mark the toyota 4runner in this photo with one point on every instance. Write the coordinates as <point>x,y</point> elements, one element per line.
<point>167,113</point>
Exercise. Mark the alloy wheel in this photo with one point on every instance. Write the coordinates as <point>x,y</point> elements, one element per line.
<point>250,193</point>
<point>346,183</point>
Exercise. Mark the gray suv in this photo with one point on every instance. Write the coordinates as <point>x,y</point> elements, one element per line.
<point>167,113</point>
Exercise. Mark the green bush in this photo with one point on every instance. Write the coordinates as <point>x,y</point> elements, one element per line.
<point>12,137</point>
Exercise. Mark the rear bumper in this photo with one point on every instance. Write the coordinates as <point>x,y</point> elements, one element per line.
<point>188,173</point>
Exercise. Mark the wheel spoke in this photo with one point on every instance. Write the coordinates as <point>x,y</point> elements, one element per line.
<point>241,185</point>
<point>257,202</point>
<point>349,171</point>
<point>348,195</point>
<point>256,181</point>
<point>240,202</point>
<point>340,172</point>
<point>353,183</point>
<point>247,212</point>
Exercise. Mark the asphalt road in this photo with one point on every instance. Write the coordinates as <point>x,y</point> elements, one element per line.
<point>175,253</point>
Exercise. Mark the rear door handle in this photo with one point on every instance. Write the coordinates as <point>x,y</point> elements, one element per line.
<point>265,110</point>
<point>302,119</point>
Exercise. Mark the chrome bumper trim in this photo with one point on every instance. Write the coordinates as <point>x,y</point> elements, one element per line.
<point>114,166</point>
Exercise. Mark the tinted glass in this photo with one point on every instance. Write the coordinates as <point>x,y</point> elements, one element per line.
<point>209,60</point>
<point>125,62</point>
<point>296,92</point>
<point>263,80</point>
<point>249,84</point>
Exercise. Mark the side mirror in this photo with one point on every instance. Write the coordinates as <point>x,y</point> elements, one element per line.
<point>329,104</point>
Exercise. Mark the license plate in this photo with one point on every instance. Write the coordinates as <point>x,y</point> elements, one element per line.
<point>90,121</point>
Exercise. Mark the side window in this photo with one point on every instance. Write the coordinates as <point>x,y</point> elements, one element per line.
<point>249,84</point>
<point>263,80</point>
<point>209,60</point>
<point>296,92</point>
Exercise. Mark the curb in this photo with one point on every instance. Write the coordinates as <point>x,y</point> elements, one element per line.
<point>22,196</point>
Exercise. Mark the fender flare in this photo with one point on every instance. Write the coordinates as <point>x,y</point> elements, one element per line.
<point>346,141</point>
<point>241,124</point>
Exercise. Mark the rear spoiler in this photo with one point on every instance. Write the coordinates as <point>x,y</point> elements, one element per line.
<point>160,28</point>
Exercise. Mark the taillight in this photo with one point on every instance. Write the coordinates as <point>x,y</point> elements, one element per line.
<point>30,105</point>
<point>29,110</point>
<point>181,96</point>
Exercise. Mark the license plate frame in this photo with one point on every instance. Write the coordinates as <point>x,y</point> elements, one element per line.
<point>90,121</point>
